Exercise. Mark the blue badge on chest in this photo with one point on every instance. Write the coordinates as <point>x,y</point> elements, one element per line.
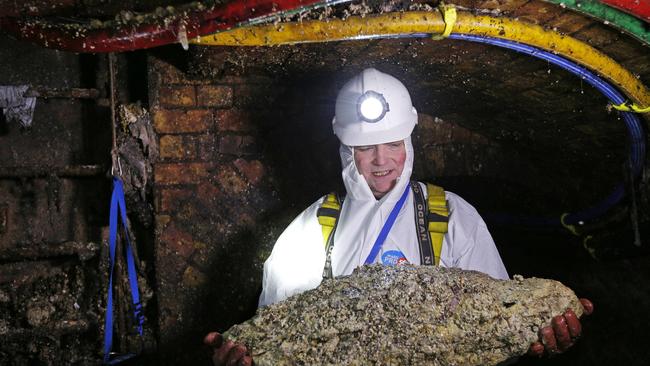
<point>393,257</point>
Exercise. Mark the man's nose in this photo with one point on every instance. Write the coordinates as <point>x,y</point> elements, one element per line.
<point>380,155</point>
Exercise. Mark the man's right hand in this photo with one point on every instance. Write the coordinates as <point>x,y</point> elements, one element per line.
<point>227,353</point>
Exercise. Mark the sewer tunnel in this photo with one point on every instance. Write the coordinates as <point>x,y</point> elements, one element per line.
<point>217,118</point>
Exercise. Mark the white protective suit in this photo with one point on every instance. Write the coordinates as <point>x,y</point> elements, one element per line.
<point>298,257</point>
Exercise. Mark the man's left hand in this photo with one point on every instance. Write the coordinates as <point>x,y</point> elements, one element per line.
<point>562,334</point>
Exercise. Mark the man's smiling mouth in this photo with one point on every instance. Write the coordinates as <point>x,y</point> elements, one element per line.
<point>381,173</point>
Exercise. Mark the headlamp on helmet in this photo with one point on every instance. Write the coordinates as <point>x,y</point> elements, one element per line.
<point>363,116</point>
<point>372,106</point>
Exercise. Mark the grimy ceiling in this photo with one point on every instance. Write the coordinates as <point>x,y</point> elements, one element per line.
<point>551,115</point>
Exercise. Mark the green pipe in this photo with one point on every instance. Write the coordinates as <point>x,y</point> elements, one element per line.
<point>625,22</point>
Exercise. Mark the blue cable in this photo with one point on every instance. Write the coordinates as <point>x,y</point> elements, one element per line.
<point>635,129</point>
<point>632,122</point>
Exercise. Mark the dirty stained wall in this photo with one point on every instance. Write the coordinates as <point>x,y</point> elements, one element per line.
<point>54,204</point>
<point>51,211</point>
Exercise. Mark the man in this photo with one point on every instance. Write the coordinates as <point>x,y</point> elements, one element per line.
<point>374,119</point>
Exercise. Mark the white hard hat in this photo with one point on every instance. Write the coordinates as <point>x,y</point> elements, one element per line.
<point>373,108</point>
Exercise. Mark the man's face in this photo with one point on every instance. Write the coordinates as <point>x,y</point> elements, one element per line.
<point>381,165</point>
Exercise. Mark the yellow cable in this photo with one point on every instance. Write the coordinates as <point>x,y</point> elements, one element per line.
<point>432,22</point>
<point>449,16</point>
<point>590,250</point>
<point>624,107</point>
<point>571,228</point>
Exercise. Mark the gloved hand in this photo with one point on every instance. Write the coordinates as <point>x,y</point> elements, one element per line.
<point>563,332</point>
<point>227,353</point>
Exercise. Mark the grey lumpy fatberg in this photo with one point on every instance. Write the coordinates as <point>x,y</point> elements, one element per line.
<point>405,315</point>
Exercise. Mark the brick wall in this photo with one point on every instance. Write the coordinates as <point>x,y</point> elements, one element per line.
<point>216,203</point>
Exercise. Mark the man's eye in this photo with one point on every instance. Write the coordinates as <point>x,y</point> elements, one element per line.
<point>363,148</point>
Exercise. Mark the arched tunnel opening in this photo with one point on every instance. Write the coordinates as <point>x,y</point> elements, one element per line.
<point>221,146</point>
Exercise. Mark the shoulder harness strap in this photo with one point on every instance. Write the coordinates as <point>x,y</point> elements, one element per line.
<point>328,214</point>
<point>438,217</point>
<point>431,221</point>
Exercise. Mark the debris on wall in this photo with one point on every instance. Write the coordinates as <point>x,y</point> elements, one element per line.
<point>47,305</point>
<point>15,106</point>
<point>137,149</point>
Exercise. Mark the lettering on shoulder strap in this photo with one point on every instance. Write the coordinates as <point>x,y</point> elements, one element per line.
<point>431,221</point>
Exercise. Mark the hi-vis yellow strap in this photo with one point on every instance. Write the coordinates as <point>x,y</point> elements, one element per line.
<point>438,218</point>
<point>327,214</point>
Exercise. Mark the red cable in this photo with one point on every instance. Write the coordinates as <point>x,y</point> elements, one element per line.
<point>127,38</point>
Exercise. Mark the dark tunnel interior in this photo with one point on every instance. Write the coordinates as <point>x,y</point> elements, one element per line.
<point>220,147</point>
